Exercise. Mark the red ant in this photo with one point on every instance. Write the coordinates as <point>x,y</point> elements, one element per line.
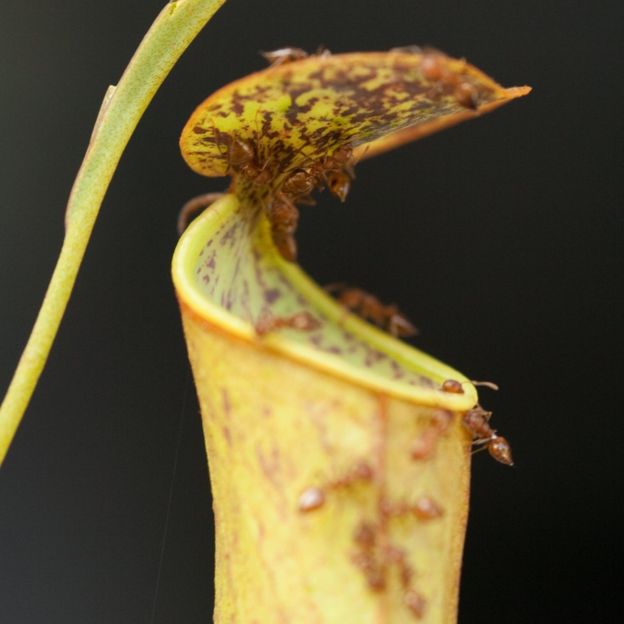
<point>372,309</point>
<point>476,421</point>
<point>300,321</point>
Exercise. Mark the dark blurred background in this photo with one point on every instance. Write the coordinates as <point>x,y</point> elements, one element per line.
<point>499,238</point>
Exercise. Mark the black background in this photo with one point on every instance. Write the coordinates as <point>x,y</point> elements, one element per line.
<point>498,238</point>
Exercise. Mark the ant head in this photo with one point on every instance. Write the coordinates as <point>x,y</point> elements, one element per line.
<point>453,386</point>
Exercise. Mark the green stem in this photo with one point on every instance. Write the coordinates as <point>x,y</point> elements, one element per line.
<point>171,33</point>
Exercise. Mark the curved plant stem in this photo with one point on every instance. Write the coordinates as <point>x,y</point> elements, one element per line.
<point>171,33</point>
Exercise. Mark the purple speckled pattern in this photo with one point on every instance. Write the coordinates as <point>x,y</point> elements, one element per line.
<point>239,269</point>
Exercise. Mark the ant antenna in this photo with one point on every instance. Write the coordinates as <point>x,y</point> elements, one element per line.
<point>486,384</point>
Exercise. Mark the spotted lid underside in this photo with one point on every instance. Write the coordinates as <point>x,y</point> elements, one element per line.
<point>240,270</point>
<point>302,111</point>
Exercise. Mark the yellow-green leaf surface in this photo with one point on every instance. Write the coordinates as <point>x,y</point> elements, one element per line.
<point>327,508</point>
<point>291,413</point>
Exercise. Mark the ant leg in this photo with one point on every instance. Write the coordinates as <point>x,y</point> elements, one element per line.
<point>322,51</point>
<point>335,287</point>
<point>275,58</point>
<point>482,442</point>
<point>300,321</point>
<point>486,384</point>
<point>194,206</point>
<point>266,323</point>
<point>306,200</point>
<point>482,448</point>
<point>400,327</point>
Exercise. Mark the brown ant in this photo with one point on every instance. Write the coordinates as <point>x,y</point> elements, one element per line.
<point>399,558</point>
<point>415,603</point>
<point>365,535</point>
<point>372,309</point>
<point>424,446</point>
<point>275,58</point>
<point>407,49</point>
<point>313,498</point>
<point>476,421</point>
<point>300,183</point>
<point>434,68</point>
<point>284,218</point>
<point>340,157</point>
<point>374,561</point>
<point>452,386</point>
<point>296,188</point>
<point>242,159</point>
<point>374,571</point>
<point>425,508</point>
<point>281,211</point>
<point>466,95</point>
<point>339,184</point>
<point>300,321</point>
<point>336,171</point>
